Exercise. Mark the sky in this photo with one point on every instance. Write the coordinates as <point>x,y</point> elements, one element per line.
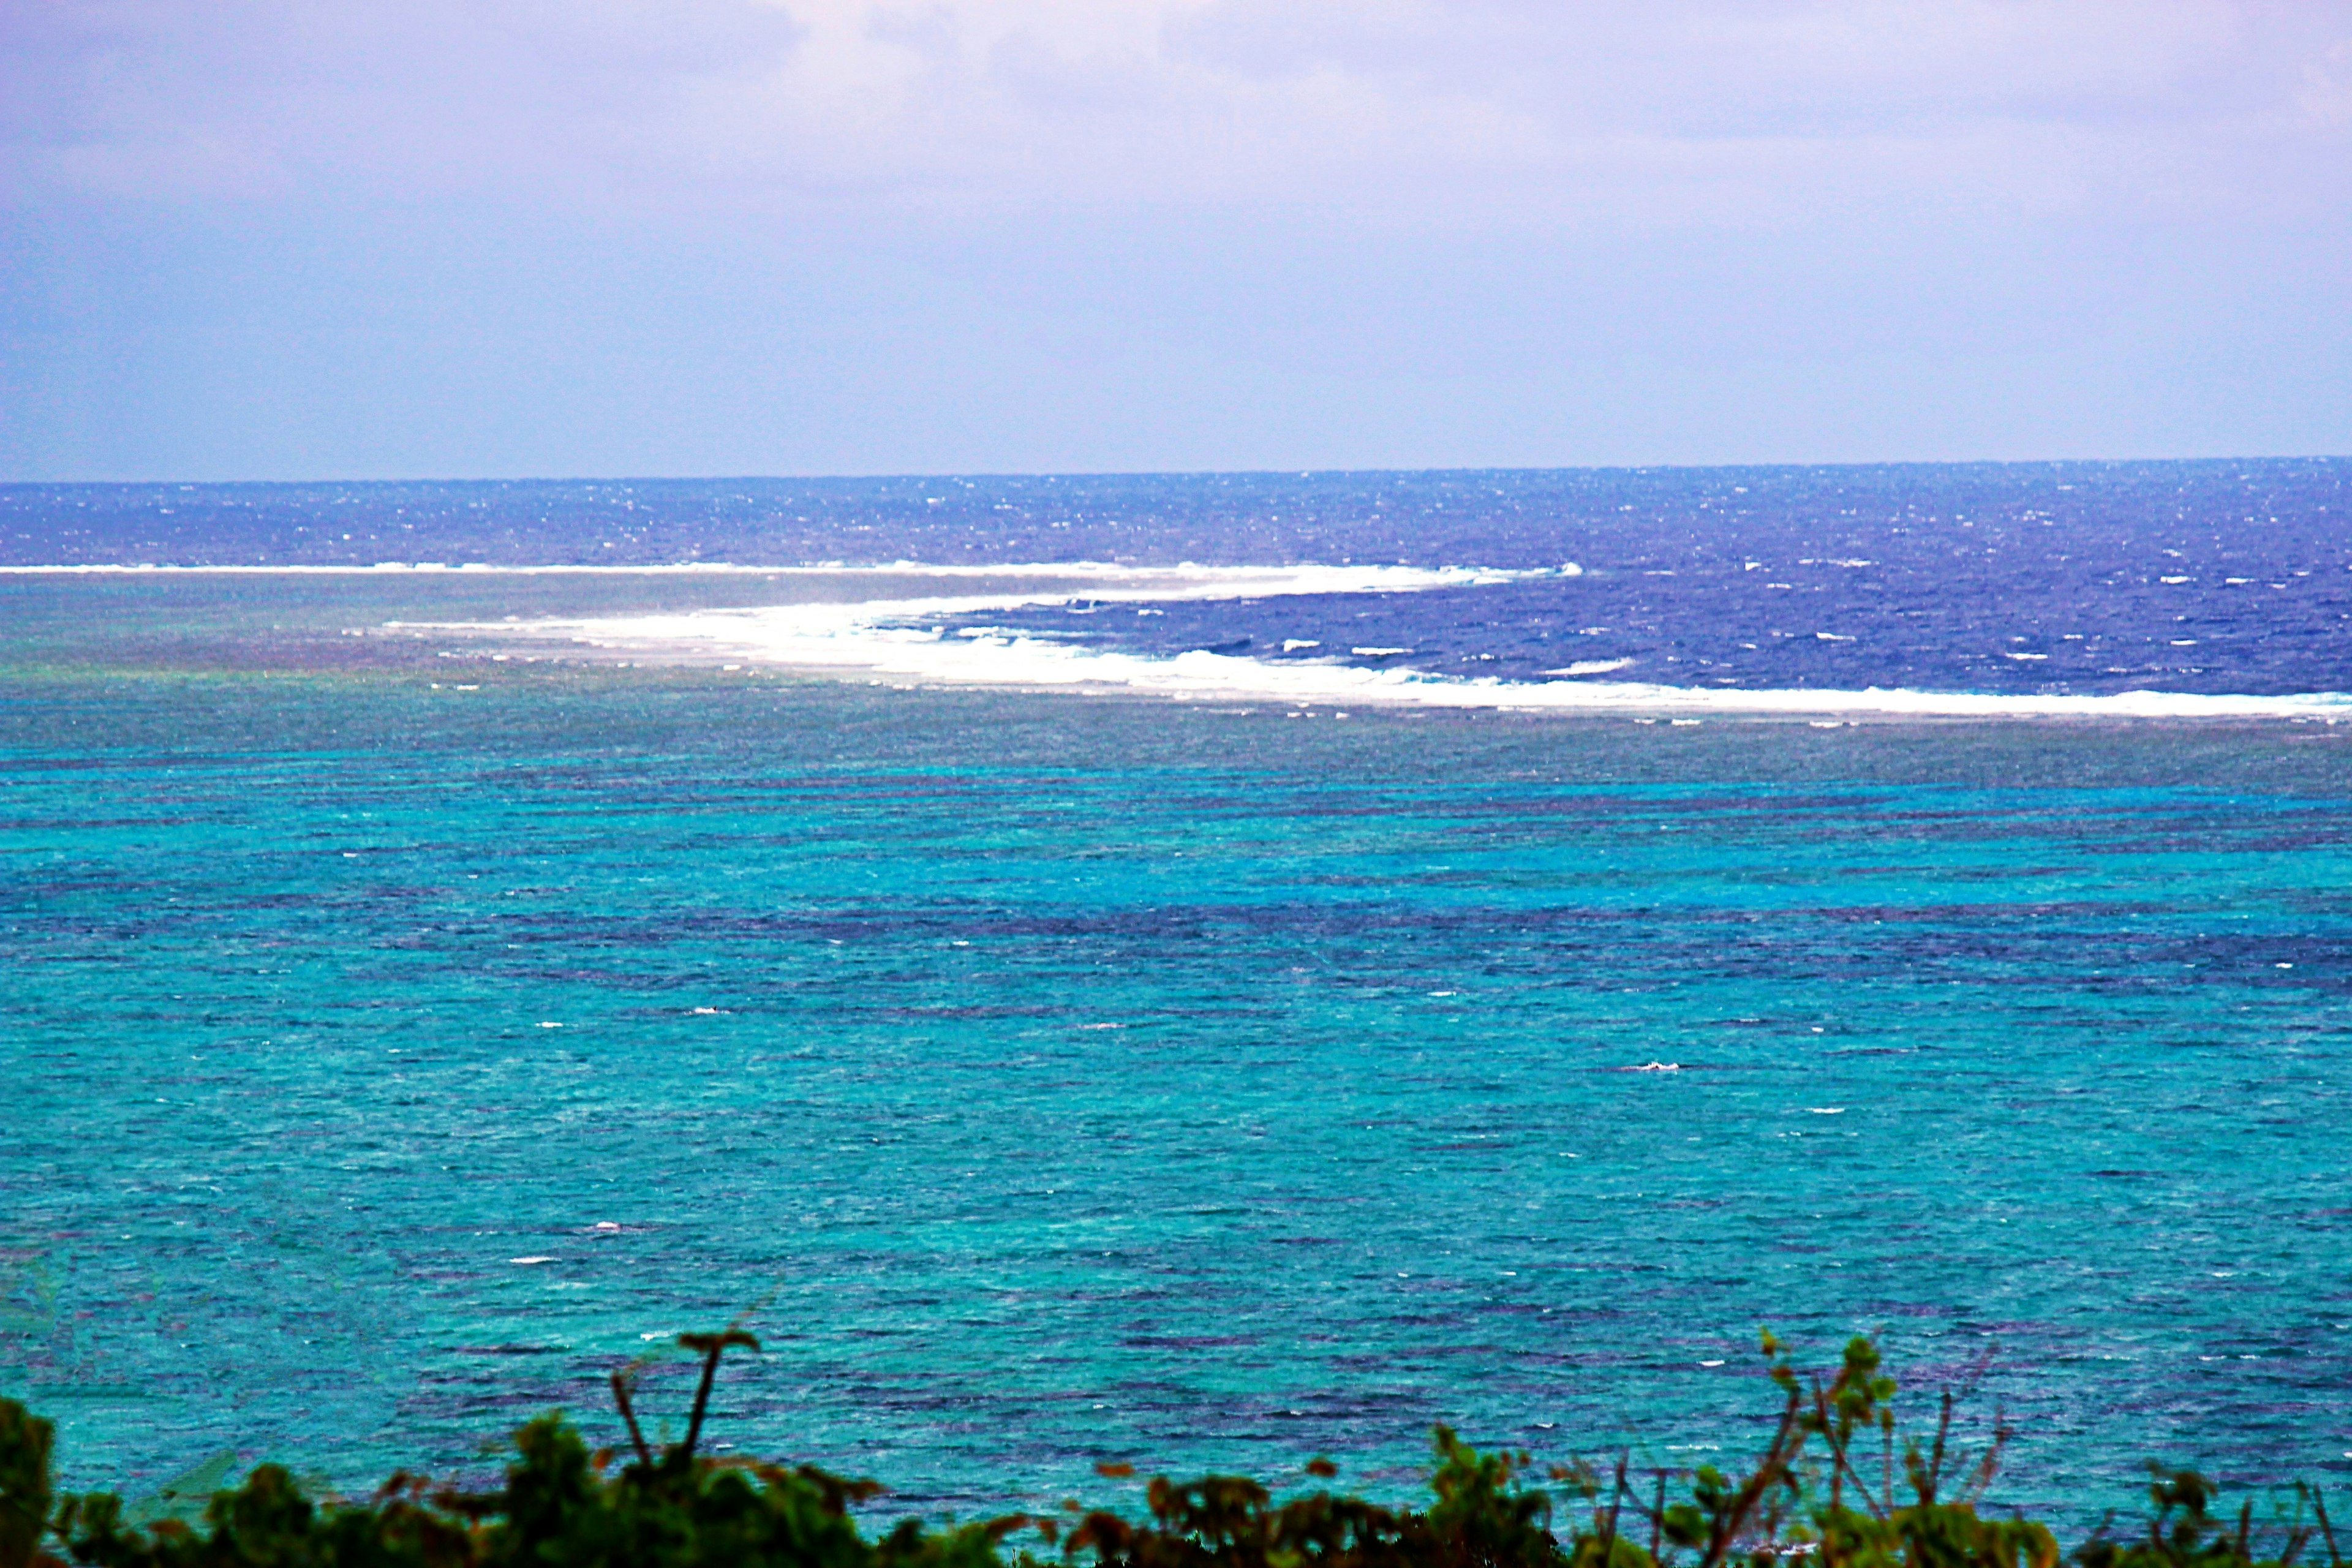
<point>380,238</point>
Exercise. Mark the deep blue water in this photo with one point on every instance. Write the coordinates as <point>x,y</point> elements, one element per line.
<point>1052,1080</point>
<point>2076,577</point>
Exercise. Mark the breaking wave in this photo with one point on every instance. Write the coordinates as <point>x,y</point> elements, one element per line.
<point>910,639</point>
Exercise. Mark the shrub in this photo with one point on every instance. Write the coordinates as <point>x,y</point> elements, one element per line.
<point>1807,1495</point>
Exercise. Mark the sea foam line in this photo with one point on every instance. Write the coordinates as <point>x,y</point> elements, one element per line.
<point>381,568</point>
<point>888,638</point>
<point>1239,582</point>
<point>471,569</point>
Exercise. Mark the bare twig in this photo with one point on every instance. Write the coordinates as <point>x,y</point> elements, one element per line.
<point>1616,1506</point>
<point>1786,1444</point>
<point>629,1418</point>
<point>1982,1477</point>
<point>1841,1463</point>
<point>712,1347</point>
<point>701,1401</point>
<point>1936,1461</point>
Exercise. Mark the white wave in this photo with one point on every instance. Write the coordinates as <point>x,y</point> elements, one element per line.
<point>1213,581</point>
<point>862,632</point>
<point>900,639</point>
<point>379,568</point>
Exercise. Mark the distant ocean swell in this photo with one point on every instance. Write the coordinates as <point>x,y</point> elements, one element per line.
<point>913,638</point>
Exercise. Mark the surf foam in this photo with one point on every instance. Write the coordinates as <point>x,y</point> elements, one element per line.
<point>1186,580</point>
<point>890,638</point>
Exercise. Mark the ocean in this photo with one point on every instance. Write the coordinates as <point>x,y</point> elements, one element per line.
<point>1196,971</point>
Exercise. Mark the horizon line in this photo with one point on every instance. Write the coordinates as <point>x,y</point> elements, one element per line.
<point>910,474</point>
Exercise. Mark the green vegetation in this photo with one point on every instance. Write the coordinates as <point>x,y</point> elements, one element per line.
<point>1835,1483</point>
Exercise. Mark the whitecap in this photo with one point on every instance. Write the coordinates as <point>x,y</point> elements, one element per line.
<point>895,638</point>
<point>1339,579</point>
<point>1591,667</point>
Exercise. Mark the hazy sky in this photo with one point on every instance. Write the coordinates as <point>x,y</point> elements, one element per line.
<point>279,238</point>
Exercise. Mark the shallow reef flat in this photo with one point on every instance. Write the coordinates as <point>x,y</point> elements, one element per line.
<point>392,1050</point>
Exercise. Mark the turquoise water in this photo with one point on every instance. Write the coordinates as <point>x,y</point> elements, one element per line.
<point>1048,1080</point>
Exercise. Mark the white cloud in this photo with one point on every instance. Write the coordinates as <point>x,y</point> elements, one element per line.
<point>1749,110</point>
